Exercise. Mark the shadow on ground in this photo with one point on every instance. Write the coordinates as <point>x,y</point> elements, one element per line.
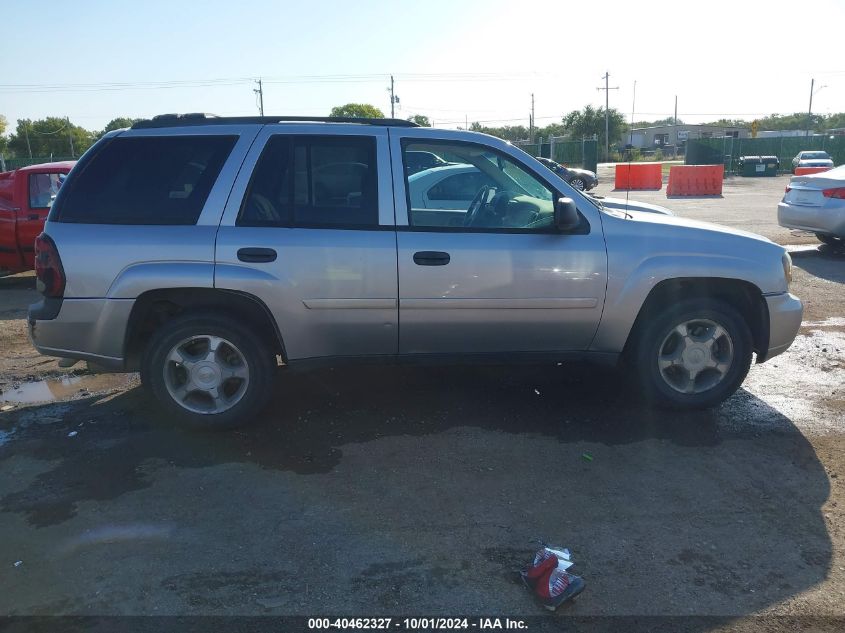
<point>670,504</point>
<point>825,262</point>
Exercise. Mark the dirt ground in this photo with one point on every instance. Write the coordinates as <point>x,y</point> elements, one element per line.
<point>378,490</point>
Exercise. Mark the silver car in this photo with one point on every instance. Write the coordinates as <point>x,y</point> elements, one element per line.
<point>452,187</point>
<point>816,203</point>
<point>212,253</point>
<point>814,158</point>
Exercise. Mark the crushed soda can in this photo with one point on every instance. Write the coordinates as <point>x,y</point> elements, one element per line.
<point>547,577</point>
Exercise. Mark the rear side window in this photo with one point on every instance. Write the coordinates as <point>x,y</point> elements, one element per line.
<point>146,180</point>
<point>314,181</point>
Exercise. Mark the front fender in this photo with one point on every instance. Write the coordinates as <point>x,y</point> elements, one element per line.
<point>628,293</point>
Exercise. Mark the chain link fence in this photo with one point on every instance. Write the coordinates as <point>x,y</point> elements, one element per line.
<point>8,164</point>
<point>563,150</point>
<point>727,150</point>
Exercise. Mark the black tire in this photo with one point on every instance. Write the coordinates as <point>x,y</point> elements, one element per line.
<point>651,336</point>
<point>831,240</point>
<point>578,183</point>
<point>257,354</point>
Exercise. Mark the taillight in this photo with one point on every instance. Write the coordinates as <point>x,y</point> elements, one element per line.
<point>48,267</point>
<point>788,189</point>
<point>838,192</point>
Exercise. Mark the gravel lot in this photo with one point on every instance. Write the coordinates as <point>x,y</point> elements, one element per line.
<point>419,490</point>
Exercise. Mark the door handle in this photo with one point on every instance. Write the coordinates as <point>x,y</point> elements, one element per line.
<point>33,216</point>
<point>431,258</point>
<point>257,255</point>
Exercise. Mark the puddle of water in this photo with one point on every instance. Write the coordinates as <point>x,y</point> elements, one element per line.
<point>63,388</point>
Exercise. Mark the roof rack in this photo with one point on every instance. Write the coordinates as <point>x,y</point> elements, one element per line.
<point>201,118</point>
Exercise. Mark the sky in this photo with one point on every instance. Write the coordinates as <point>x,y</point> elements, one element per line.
<point>453,61</point>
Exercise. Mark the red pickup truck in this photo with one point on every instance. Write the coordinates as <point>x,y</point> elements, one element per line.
<point>25,198</point>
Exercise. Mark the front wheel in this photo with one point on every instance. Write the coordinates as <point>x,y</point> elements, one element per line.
<point>208,371</point>
<point>578,183</point>
<point>693,355</point>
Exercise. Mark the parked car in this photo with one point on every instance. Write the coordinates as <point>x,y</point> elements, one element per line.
<point>453,186</point>
<point>26,195</point>
<point>419,161</point>
<point>194,250</point>
<point>811,159</point>
<point>581,179</point>
<point>816,202</point>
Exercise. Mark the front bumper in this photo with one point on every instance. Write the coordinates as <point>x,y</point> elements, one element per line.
<point>823,219</point>
<point>86,329</point>
<point>785,312</point>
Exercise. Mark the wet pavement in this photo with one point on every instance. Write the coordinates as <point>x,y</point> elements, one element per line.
<point>375,490</point>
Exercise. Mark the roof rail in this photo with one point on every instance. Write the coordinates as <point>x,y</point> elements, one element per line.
<point>201,118</point>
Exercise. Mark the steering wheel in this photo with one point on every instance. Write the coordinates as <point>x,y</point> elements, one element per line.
<point>478,202</point>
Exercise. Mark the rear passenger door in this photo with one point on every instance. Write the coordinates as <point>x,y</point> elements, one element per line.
<point>309,229</point>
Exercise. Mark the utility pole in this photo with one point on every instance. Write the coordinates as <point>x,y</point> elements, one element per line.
<point>26,133</point>
<point>607,90</point>
<point>393,98</point>
<point>260,92</point>
<point>70,137</point>
<point>531,120</point>
<point>675,145</point>
<point>810,110</point>
<point>633,109</point>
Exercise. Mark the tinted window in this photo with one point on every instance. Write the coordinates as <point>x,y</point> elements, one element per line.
<point>313,181</point>
<point>146,180</point>
<point>267,201</point>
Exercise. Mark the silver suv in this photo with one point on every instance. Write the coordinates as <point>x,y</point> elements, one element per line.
<point>206,252</point>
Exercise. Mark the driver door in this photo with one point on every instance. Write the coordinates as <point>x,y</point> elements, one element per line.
<point>508,282</point>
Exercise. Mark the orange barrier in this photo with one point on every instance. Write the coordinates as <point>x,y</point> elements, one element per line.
<point>695,180</point>
<point>803,171</point>
<point>639,176</point>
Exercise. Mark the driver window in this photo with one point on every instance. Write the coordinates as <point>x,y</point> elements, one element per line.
<point>475,188</point>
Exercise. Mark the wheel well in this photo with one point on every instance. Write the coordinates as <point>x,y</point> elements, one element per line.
<point>154,308</point>
<point>743,296</point>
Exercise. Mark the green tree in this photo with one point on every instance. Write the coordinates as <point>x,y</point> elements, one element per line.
<point>421,120</point>
<point>49,137</point>
<point>117,123</point>
<point>590,121</point>
<point>358,111</point>
<point>4,123</point>
<point>669,120</point>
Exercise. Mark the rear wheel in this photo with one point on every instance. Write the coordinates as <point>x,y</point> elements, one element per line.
<point>578,183</point>
<point>831,240</point>
<point>208,371</point>
<point>693,355</point>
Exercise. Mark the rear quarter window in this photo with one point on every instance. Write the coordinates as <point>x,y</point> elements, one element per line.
<point>146,180</point>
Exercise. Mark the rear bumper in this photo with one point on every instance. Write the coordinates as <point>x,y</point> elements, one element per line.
<point>87,329</point>
<point>785,312</point>
<point>823,219</point>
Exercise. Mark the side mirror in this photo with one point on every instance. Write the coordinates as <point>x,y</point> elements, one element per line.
<point>566,214</point>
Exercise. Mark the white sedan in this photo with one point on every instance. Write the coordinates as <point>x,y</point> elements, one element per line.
<point>452,187</point>
<point>816,203</point>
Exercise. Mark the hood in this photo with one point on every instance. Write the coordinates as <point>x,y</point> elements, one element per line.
<point>581,172</point>
<point>674,222</point>
<point>634,205</point>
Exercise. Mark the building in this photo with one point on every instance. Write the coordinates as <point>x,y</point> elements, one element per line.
<point>660,136</point>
